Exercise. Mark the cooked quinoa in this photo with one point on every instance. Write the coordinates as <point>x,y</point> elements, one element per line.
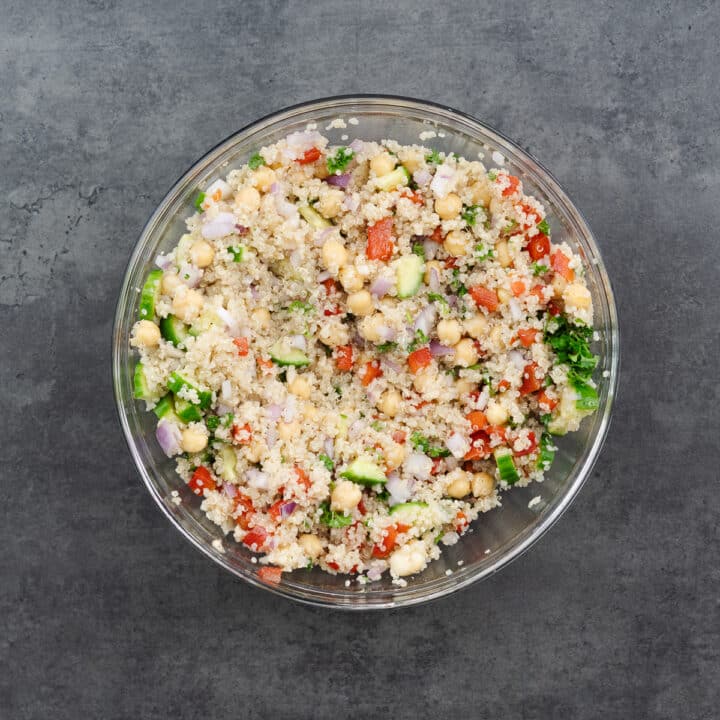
<point>353,350</point>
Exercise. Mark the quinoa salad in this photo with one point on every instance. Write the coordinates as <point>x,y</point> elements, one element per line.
<point>354,350</point>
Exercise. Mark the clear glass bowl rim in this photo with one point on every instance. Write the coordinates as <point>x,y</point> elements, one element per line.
<point>462,577</point>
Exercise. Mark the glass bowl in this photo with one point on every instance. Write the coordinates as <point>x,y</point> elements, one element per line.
<point>497,537</point>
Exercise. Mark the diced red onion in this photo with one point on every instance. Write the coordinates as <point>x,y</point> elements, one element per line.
<point>418,465</point>
<point>221,225</point>
<point>457,445</point>
<point>515,310</point>
<point>284,206</point>
<point>298,341</point>
<point>329,448</point>
<point>190,275</point>
<point>517,359</point>
<point>357,145</point>
<point>381,286</point>
<point>431,248</point>
<point>434,278</point>
<point>290,410</point>
<point>443,181</point>
<point>356,428</point>
<point>483,398</point>
<point>425,320</point>
<point>275,188</point>
<point>391,364</point>
<point>398,488</point>
<point>373,392</point>
<point>164,262</point>
<point>271,437</point>
<point>256,479</point>
<point>452,300</point>
<point>223,409</point>
<point>341,181</point>
<point>254,292</point>
<point>274,411</point>
<point>422,177</point>
<point>287,509</point>
<point>168,436</point>
<point>386,333</point>
<point>351,203</point>
<point>374,574</point>
<point>229,489</point>
<point>241,229</point>
<point>231,324</point>
<point>437,349</point>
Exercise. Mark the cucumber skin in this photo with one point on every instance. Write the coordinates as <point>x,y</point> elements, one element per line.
<point>186,411</point>
<point>174,330</point>
<point>412,505</point>
<point>288,356</point>
<point>409,265</point>
<point>164,406</point>
<point>399,177</point>
<point>176,383</point>
<point>364,473</point>
<point>314,218</point>
<point>149,295</point>
<point>140,387</point>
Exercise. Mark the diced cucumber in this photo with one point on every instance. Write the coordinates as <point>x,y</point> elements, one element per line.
<point>186,411</point>
<point>229,462</point>
<point>587,397</point>
<point>237,252</point>
<point>506,466</point>
<point>174,330</point>
<point>177,383</point>
<point>365,472</point>
<point>140,384</point>
<point>410,513</point>
<point>397,178</point>
<point>410,269</point>
<point>149,295</point>
<point>546,454</point>
<point>314,218</point>
<point>558,425</point>
<point>164,406</point>
<point>282,354</point>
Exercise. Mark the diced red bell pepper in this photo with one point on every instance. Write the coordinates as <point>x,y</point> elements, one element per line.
<point>477,420</point>
<point>532,447</point>
<point>549,402</point>
<point>270,574</point>
<point>372,371</point>
<point>384,548</point>
<point>302,477</point>
<point>479,446</point>
<point>419,359</point>
<point>243,346</point>
<point>399,436</point>
<point>242,434</point>
<point>201,480</point>
<point>380,244</point>
<point>503,385</point>
<point>413,196</point>
<point>554,307</point>
<point>532,379</point>
<point>538,292</point>
<point>527,336</point>
<point>275,510</point>
<point>539,246</point>
<point>560,263</point>
<point>310,156</point>
<point>461,521</point>
<point>512,188</point>
<point>344,357</point>
<point>332,310</point>
<point>518,288</point>
<point>437,235</point>
<point>484,297</point>
<point>330,286</point>
<point>256,538</point>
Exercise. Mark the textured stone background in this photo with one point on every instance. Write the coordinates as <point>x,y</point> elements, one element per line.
<point>105,611</point>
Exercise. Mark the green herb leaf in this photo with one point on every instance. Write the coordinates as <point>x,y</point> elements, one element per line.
<point>539,269</point>
<point>256,161</point>
<point>418,250</point>
<point>483,253</point>
<point>238,252</point>
<point>199,200</point>
<point>420,339</point>
<point>305,307</point>
<point>492,176</point>
<point>571,344</point>
<point>433,158</point>
<point>377,426</point>
<point>469,214</point>
<point>436,297</point>
<point>386,347</point>
<point>326,461</point>
<point>543,227</point>
<point>334,519</point>
<point>338,162</point>
<point>228,419</point>
<point>212,422</point>
<point>420,442</point>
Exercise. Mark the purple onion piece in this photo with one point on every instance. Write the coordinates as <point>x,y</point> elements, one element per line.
<point>357,145</point>
<point>434,279</point>
<point>425,320</point>
<point>381,287</point>
<point>241,229</point>
<point>329,448</point>
<point>168,437</point>
<point>430,247</point>
<point>341,181</point>
<point>286,509</point>
<point>437,349</point>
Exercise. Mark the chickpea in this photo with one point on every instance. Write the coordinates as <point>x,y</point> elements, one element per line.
<point>390,402</point>
<point>577,295</point>
<point>465,353</point>
<point>449,206</point>
<point>170,283</point>
<point>288,430</point>
<point>255,451</point>
<point>330,203</point>
<point>409,559</point>
<point>260,318</point>
<point>503,296</point>
<point>495,413</point>
<point>187,306</point>
<point>482,484</point>
<point>334,255</point>
<point>263,178</point>
<point>333,333</point>
<point>145,334</point>
<point>193,441</point>
<point>424,380</point>
<point>502,254</point>
<point>464,387</point>
<point>248,198</point>
<point>559,283</point>
<point>481,193</point>
<point>496,339</point>
<point>311,544</point>
<point>350,279</point>
<point>300,386</point>
<point>383,164</point>
<point>345,496</point>
<point>373,327</point>
<point>449,332</point>
<point>360,303</point>
<point>456,243</point>
<point>202,253</point>
<point>432,265</point>
<point>476,326</point>
<point>395,455</point>
<point>458,484</point>
<point>310,412</point>
<point>411,161</point>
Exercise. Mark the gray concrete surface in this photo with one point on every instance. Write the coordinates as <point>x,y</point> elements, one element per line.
<point>106,612</point>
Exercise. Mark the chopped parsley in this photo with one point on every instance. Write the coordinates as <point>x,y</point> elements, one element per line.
<point>227,420</point>
<point>237,252</point>
<point>456,285</point>
<point>199,200</point>
<point>420,442</point>
<point>340,160</point>
<point>256,161</point>
<point>386,347</point>
<point>212,422</point>
<point>469,214</point>
<point>543,227</point>
<point>420,339</point>
<point>483,253</point>
<point>433,157</point>
<point>305,307</point>
<point>419,250</point>
<point>334,519</point>
<point>326,461</point>
<point>377,426</point>
<point>492,175</point>
<point>436,297</point>
<point>539,269</point>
